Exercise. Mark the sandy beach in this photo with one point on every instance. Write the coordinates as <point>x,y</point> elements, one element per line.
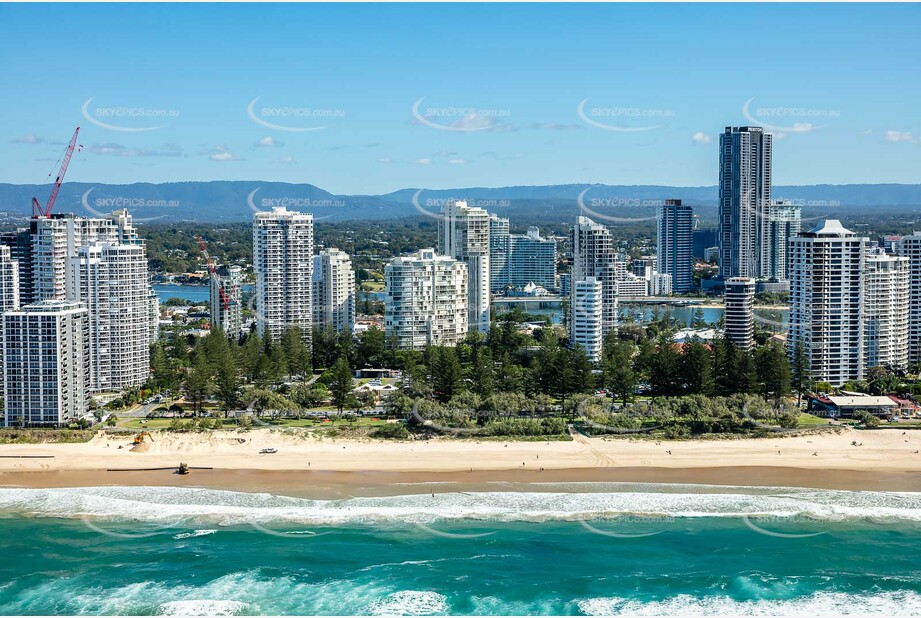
<point>887,459</point>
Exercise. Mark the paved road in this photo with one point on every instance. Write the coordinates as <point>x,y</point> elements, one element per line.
<point>140,411</point>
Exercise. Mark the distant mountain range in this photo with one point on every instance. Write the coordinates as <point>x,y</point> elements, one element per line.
<point>227,201</point>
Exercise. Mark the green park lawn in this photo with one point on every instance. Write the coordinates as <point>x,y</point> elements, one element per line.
<point>808,420</point>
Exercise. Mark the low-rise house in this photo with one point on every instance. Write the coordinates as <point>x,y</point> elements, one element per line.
<point>846,406</point>
<point>907,407</point>
<point>379,390</point>
<point>686,335</point>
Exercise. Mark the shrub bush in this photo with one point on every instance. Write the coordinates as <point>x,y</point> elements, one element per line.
<point>391,431</point>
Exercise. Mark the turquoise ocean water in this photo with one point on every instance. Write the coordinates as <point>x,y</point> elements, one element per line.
<point>577,549</point>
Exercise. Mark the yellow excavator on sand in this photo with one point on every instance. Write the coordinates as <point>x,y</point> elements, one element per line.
<point>139,439</point>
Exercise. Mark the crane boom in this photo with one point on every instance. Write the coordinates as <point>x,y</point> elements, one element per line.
<point>212,269</point>
<point>37,210</point>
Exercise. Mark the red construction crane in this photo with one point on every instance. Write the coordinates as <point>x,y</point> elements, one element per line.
<point>37,210</point>
<point>213,270</point>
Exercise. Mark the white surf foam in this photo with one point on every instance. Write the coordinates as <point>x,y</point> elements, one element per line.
<point>242,592</point>
<point>197,607</point>
<point>894,603</point>
<point>192,535</point>
<point>172,505</point>
<point>410,603</point>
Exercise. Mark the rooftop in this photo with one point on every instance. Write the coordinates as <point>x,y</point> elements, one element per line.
<point>51,306</point>
<point>830,227</point>
<point>861,401</point>
<point>687,334</point>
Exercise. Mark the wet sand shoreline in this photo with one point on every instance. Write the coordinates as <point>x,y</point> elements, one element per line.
<point>343,484</point>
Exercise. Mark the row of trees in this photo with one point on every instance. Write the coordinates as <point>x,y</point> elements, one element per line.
<point>675,417</point>
<point>504,361</point>
<point>695,368</point>
<point>485,365</point>
<point>275,372</point>
<point>678,417</point>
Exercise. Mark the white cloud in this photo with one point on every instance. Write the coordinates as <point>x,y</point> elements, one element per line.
<point>289,160</point>
<point>867,132</point>
<point>119,150</point>
<point>457,161</point>
<point>803,127</point>
<point>779,136</point>
<point>474,121</point>
<point>470,122</point>
<point>900,136</point>
<point>386,160</point>
<point>269,142</point>
<point>108,149</point>
<point>222,153</point>
<point>501,157</point>
<point>556,126</point>
<point>702,138</point>
<point>30,138</point>
<point>424,161</point>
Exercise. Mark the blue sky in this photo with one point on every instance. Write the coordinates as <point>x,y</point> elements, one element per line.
<point>501,88</point>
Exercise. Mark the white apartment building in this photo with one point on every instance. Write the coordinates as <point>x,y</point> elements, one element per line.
<point>660,284</point>
<point>593,255</point>
<point>632,286</point>
<point>885,308</point>
<point>532,259</point>
<point>586,310</point>
<point>333,291</point>
<point>463,234</point>
<point>9,281</point>
<point>784,223</point>
<point>153,304</point>
<point>9,289</point>
<point>283,263</point>
<point>500,243</point>
<point>592,247</point>
<point>55,239</point>
<point>425,300</point>
<point>516,260</point>
<point>111,282</point>
<point>911,248</point>
<point>46,368</point>
<point>227,300</point>
<point>739,318</point>
<point>826,308</point>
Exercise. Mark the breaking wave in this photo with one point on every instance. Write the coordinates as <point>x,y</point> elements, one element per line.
<point>893,603</point>
<point>190,506</point>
